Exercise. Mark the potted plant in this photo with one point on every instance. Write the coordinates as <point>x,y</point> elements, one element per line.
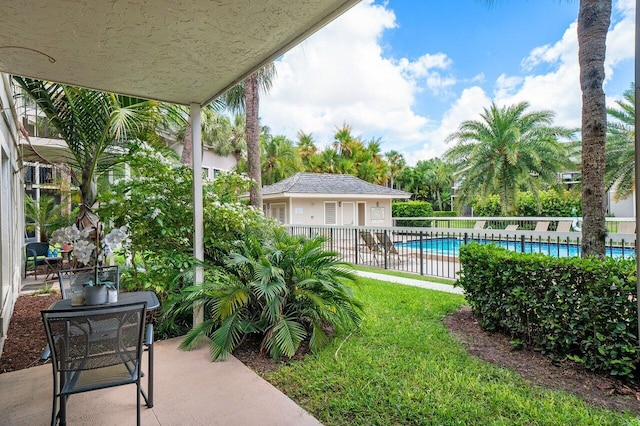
<point>89,250</point>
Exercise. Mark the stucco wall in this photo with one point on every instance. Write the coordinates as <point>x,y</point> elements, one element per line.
<point>311,211</point>
<point>11,210</point>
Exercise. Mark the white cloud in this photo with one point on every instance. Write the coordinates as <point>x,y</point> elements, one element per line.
<point>342,75</point>
<point>467,107</point>
<point>372,93</point>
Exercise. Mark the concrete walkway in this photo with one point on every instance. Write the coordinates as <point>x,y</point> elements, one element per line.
<point>412,282</point>
<point>189,390</point>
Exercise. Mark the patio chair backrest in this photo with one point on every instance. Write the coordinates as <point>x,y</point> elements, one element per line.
<point>94,348</point>
<point>564,226</point>
<point>370,240</point>
<point>387,244</point>
<point>73,280</point>
<point>511,227</point>
<point>542,226</point>
<point>627,228</point>
<point>479,224</point>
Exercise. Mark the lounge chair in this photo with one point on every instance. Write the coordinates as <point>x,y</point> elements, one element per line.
<point>511,227</point>
<point>371,243</point>
<point>387,244</point>
<point>479,224</point>
<point>542,226</point>
<point>627,228</point>
<point>564,226</point>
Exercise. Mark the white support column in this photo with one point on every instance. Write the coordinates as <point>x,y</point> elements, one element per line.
<point>198,215</point>
<point>637,155</point>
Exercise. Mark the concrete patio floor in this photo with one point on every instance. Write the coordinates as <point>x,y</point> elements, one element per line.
<point>189,390</point>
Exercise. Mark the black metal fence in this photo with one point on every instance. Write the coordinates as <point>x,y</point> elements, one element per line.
<point>434,251</point>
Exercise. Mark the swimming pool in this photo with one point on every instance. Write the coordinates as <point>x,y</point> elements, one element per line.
<point>451,246</point>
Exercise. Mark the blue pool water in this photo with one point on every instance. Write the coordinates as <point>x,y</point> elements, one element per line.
<point>450,246</point>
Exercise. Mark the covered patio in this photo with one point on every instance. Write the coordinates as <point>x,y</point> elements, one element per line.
<point>187,54</point>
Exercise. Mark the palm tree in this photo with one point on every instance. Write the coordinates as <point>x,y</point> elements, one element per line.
<point>279,159</point>
<point>620,154</point>
<point>594,18</point>
<point>396,163</point>
<point>245,97</point>
<point>95,125</point>
<point>306,147</point>
<point>508,150</point>
<point>42,214</point>
<point>284,291</point>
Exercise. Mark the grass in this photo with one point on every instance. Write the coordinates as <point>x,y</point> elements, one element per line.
<point>426,278</point>
<point>402,367</point>
<point>47,289</point>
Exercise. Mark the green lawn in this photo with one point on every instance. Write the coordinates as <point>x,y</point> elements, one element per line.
<point>403,368</point>
<point>394,273</point>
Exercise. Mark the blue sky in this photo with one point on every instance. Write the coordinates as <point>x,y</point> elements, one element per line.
<point>409,72</point>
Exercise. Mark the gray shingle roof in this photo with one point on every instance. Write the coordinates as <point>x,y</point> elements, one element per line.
<point>318,183</point>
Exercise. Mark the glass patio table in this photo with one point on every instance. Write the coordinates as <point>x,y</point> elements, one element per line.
<point>123,299</point>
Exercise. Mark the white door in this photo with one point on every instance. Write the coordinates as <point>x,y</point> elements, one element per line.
<point>348,213</point>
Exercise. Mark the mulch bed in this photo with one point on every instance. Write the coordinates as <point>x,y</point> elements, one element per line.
<point>26,338</point>
<point>26,341</point>
<point>597,389</point>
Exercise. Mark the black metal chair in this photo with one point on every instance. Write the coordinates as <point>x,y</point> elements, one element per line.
<point>89,353</point>
<point>71,283</point>
<point>35,253</point>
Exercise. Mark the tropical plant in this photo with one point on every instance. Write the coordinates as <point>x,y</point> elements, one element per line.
<point>279,159</point>
<point>285,290</point>
<point>594,18</point>
<point>620,166</point>
<point>43,215</point>
<point>96,126</point>
<point>306,148</point>
<point>396,163</point>
<point>508,150</point>
<point>245,98</point>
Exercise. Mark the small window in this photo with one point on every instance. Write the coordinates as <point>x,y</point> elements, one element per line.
<point>330,213</point>
<point>277,211</point>
<point>205,173</point>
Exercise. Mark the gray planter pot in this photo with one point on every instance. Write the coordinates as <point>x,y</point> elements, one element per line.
<point>95,295</point>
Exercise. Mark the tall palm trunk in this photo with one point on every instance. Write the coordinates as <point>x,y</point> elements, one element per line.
<point>187,148</point>
<point>253,143</point>
<point>593,23</point>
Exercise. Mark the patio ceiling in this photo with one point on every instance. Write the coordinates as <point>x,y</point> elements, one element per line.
<point>179,52</point>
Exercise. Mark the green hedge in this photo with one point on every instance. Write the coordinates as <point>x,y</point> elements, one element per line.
<point>445,214</point>
<point>412,209</point>
<point>550,203</point>
<point>567,308</point>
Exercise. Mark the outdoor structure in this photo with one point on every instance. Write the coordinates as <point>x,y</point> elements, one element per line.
<point>327,199</point>
<point>11,208</point>
<point>182,53</point>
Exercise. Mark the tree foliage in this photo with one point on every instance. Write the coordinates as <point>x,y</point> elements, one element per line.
<point>507,150</point>
<point>284,289</point>
<point>620,150</point>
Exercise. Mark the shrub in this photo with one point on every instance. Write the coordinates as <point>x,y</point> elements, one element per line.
<point>412,209</point>
<point>550,203</point>
<point>581,309</point>
<point>157,206</point>
<point>445,214</point>
<point>286,290</point>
